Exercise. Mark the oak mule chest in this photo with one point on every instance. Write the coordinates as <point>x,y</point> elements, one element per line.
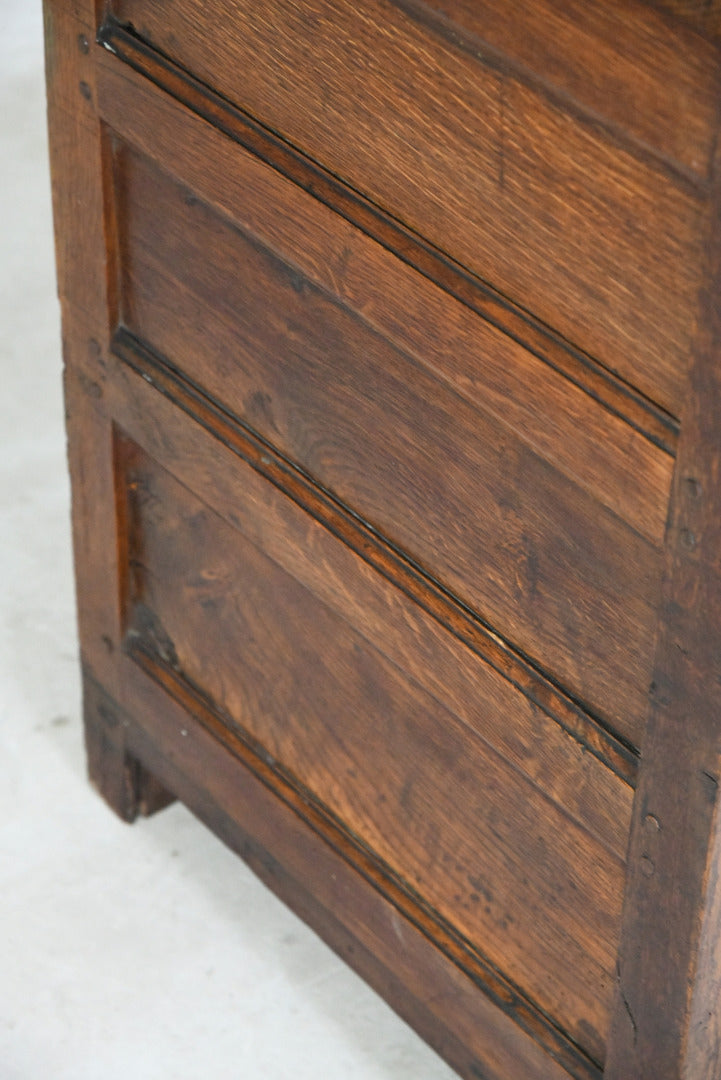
<point>393,377</point>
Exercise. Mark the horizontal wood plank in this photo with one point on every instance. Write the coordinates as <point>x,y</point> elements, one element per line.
<point>546,565</point>
<point>619,61</point>
<point>599,244</point>
<point>313,869</point>
<point>144,96</point>
<point>530,738</point>
<point>214,432</point>
<point>317,696</point>
<point>564,424</point>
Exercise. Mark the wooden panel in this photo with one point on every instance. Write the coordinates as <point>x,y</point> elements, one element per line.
<point>406,635</point>
<point>178,122</point>
<point>599,243</point>
<point>411,638</point>
<point>557,574</point>
<point>608,195</point>
<point>194,454</point>
<point>565,425</point>
<point>491,852</point>
<point>291,849</point>
<point>618,59</point>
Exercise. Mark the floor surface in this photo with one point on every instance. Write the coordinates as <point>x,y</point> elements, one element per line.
<point>149,952</point>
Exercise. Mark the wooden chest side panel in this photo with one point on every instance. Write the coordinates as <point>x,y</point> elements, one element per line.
<point>376,749</point>
<point>588,441</point>
<point>172,441</point>
<point>158,107</point>
<point>533,739</point>
<point>620,60</point>
<point>596,241</point>
<point>553,571</point>
<point>280,839</point>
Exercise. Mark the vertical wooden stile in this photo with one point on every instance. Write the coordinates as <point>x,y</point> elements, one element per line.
<point>85,267</point>
<point>667,1016</point>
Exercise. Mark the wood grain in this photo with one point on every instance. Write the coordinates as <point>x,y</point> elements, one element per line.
<point>551,413</point>
<point>530,738</point>
<point>545,565</point>
<point>130,101</point>
<point>668,1010</point>
<point>217,433</point>
<point>362,737</point>
<point>296,853</point>
<point>619,61</point>
<point>371,435</point>
<point>83,260</point>
<point>703,15</point>
<point>484,166</point>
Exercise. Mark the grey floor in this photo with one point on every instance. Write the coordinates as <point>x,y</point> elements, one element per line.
<point>143,952</point>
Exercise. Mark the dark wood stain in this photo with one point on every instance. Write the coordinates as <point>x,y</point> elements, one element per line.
<point>194,457</point>
<point>129,107</point>
<point>391,338</point>
<point>372,427</point>
<point>328,708</point>
<point>580,227</point>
